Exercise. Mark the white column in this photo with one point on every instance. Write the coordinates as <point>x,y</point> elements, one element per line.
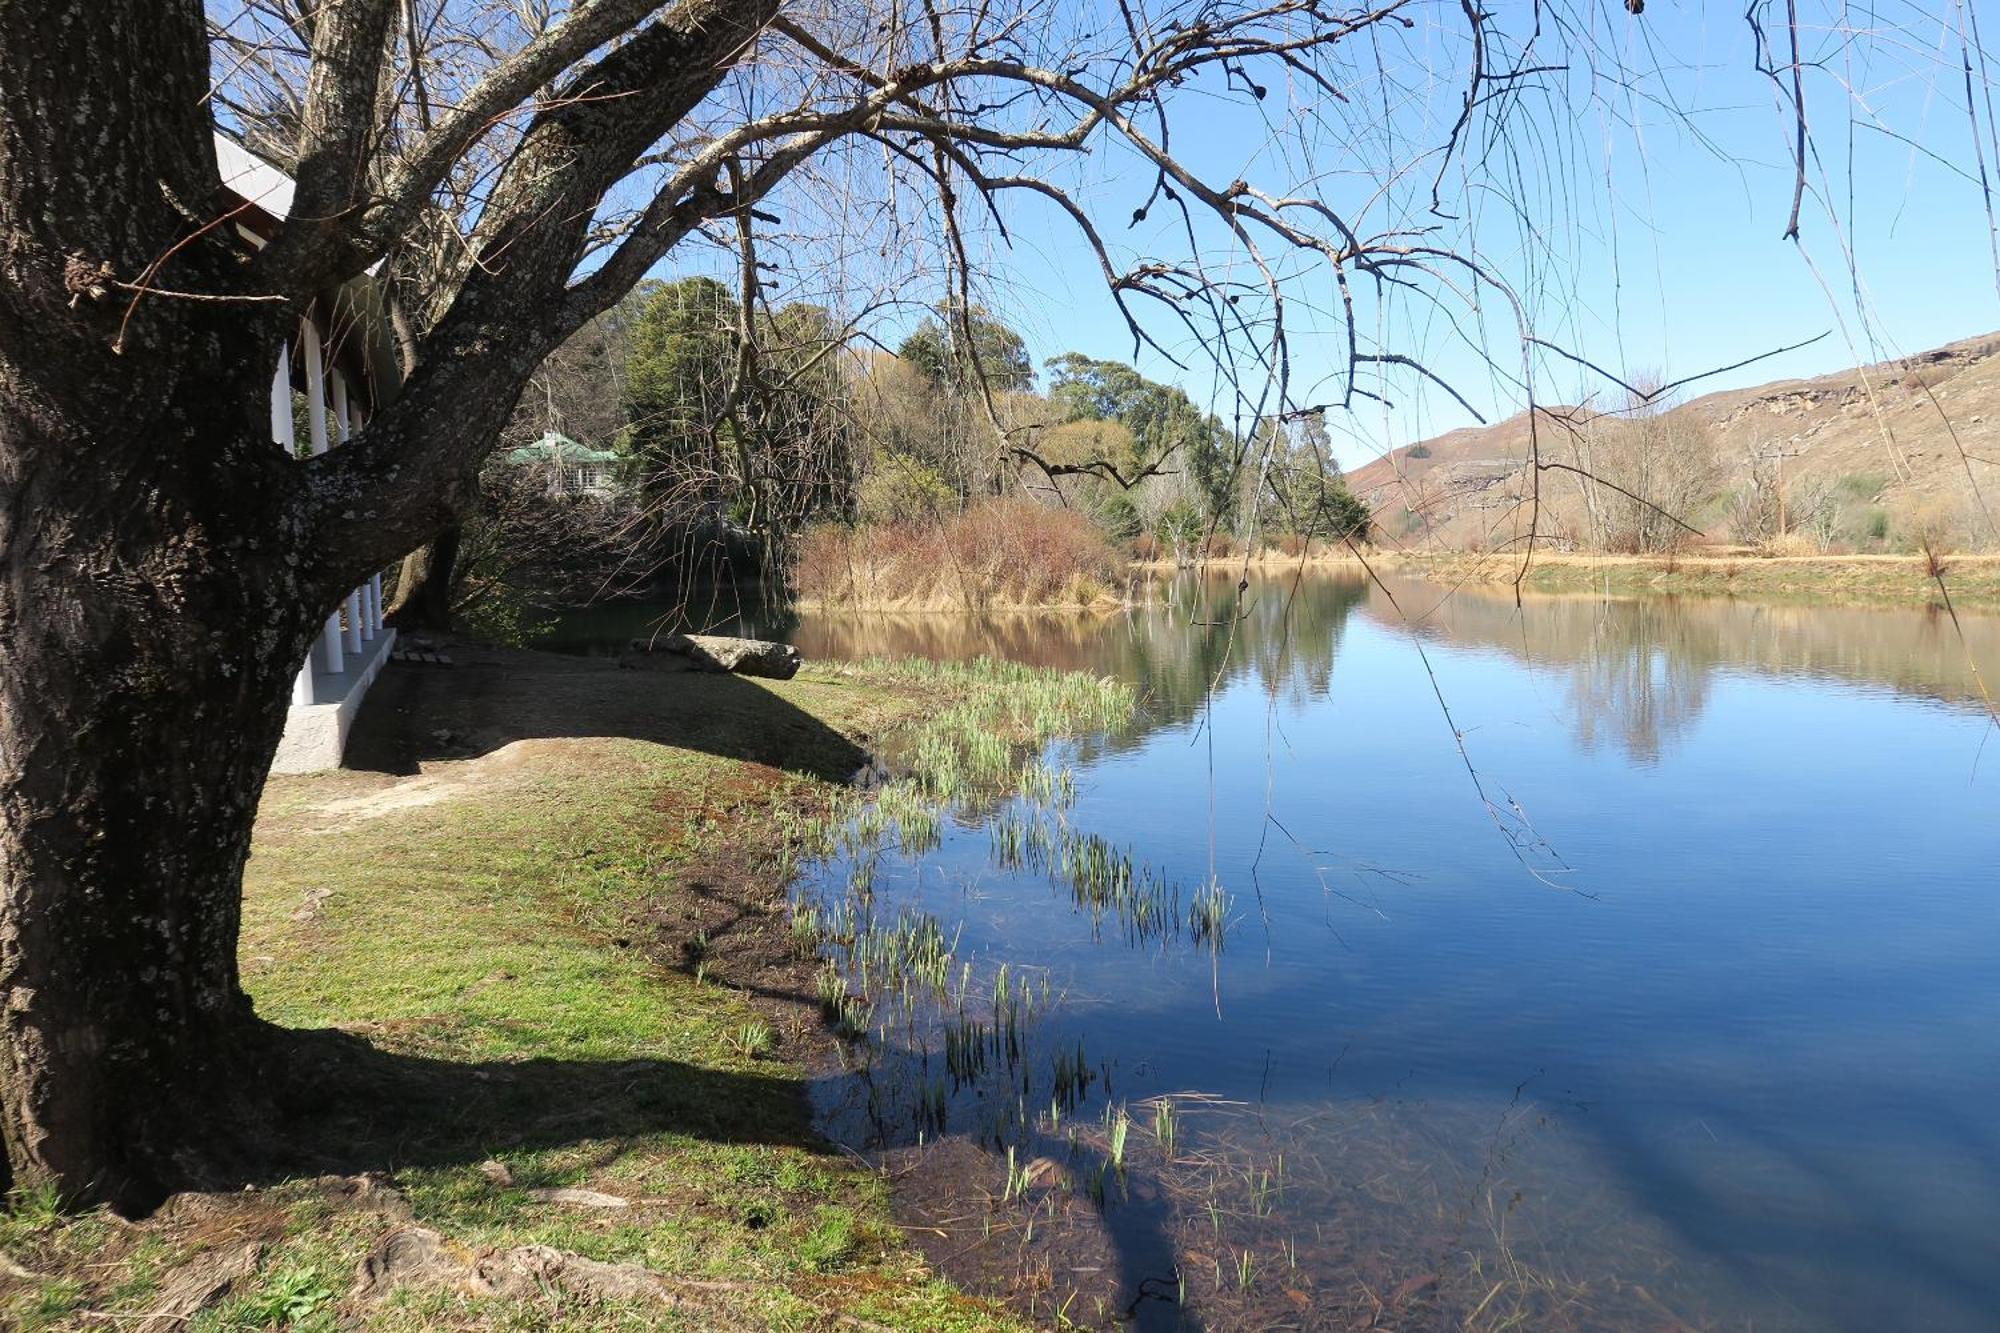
<point>282,436</point>
<point>355,627</point>
<point>330,645</point>
<point>281,400</point>
<point>338,382</point>
<point>315,388</point>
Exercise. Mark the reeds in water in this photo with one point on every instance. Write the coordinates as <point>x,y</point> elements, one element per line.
<point>1208,916</point>
<point>1071,1081</point>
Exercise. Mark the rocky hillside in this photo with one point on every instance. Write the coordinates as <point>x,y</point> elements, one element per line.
<point>1864,458</point>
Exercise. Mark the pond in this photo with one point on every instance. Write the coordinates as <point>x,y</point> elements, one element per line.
<point>1589,964</point>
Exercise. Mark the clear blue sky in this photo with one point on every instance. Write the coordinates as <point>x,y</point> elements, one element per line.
<point>1663,253</point>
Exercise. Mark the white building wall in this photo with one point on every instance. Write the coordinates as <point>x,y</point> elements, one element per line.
<point>353,646</point>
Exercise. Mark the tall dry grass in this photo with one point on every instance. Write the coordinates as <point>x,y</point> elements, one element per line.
<point>1007,553</point>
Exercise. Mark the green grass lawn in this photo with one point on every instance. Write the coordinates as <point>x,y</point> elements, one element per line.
<point>508,943</point>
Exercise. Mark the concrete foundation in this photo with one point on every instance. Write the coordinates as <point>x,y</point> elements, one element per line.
<point>316,733</point>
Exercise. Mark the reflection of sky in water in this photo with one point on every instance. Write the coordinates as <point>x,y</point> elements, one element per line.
<point>1760,1025</point>
<point>1776,1017</point>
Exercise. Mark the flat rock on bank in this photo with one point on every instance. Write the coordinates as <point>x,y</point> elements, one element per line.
<point>713,652</point>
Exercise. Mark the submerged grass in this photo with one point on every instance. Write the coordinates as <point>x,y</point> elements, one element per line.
<point>960,1048</point>
<point>1104,880</point>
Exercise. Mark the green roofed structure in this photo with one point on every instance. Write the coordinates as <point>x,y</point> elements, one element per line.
<point>572,468</point>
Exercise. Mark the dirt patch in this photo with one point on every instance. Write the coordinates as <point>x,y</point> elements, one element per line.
<point>410,795</point>
<point>730,923</point>
<point>442,780</point>
<point>419,1257</point>
<point>200,1283</point>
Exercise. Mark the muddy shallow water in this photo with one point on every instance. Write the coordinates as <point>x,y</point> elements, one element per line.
<point>1591,964</point>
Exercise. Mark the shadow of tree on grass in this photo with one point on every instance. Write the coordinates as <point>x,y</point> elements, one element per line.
<point>347,1105</point>
<point>496,696</point>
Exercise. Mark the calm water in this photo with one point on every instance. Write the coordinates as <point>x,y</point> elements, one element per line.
<point>1657,985</point>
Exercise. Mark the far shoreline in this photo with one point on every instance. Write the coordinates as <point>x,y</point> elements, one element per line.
<point>1864,579</point>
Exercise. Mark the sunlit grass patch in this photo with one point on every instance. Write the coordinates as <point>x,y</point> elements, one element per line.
<point>496,939</point>
<point>495,936</point>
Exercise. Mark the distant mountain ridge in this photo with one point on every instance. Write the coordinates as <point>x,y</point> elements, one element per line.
<point>1887,428</point>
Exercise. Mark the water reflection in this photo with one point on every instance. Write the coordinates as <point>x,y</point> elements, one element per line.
<point>1637,672</point>
<point>1194,636</point>
<point>1746,1084</point>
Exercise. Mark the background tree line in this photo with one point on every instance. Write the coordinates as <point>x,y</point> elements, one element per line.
<point>737,432</point>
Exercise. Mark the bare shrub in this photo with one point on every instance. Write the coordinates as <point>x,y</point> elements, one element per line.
<point>1791,543</point>
<point>1005,553</point>
<point>1932,525</point>
<point>822,566</point>
<point>1656,470</point>
<point>1753,510</point>
<point>1813,510</point>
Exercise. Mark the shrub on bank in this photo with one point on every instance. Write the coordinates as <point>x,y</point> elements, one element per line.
<point>900,488</point>
<point>1002,553</point>
<point>1937,524</point>
<point>1788,544</point>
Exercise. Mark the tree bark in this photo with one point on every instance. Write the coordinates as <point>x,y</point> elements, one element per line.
<point>153,604</point>
<point>146,656</point>
<point>136,752</point>
<point>423,590</point>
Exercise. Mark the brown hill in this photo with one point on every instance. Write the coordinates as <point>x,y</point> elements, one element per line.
<point>1865,459</point>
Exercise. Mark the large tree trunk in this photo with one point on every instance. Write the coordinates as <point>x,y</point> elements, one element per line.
<point>424,591</point>
<point>151,608</point>
<point>136,750</point>
<point>146,657</point>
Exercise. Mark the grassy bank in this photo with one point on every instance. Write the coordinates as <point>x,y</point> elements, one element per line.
<point>563,1082</point>
<point>1972,580</point>
<point>1265,559</point>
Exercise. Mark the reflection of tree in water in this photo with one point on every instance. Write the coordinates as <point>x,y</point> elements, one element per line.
<point>1297,625</point>
<point>1644,677</point>
<point>1640,670</point>
<point>1197,633</point>
<point>1637,671</point>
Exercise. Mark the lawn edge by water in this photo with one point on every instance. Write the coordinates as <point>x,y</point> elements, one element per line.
<point>499,931</point>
